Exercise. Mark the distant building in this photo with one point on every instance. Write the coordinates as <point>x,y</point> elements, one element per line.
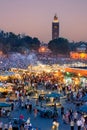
<point>44,48</point>
<point>55,28</point>
<point>79,52</point>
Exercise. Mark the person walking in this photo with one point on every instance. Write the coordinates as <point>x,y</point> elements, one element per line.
<point>5,126</point>
<point>22,127</point>
<point>72,125</point>
<point>35,113</point>
<point>79,124</point>
<point>85,124</point>
<point>10,126</point>
<point>30,107</point>
<point>62,111</point>
<point>1,125</point>
<point>75,116</point>
<point>83,121</point>
<point>12,106</point>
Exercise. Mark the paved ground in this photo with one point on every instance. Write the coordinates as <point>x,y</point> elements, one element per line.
<point>43,123</point>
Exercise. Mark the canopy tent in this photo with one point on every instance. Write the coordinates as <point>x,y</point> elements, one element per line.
<point>84,99</point>
<point>83,109</point>
<point>3,104</point>
<point>53,95</point>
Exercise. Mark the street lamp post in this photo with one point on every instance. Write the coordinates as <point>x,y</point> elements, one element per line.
<point>55,125</point>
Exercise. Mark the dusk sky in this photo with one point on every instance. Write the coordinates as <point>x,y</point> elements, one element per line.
<point>34,18</point>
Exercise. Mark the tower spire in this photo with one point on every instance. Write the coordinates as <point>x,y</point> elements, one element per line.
<point>55,27</point>
<point>55,18</point>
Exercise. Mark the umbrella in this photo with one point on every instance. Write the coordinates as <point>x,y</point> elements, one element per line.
<point>83,109</point>
<point>3,104</point>
<point>54,95</point>
<point>84,98</point>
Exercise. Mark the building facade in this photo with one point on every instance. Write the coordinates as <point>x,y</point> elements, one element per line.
<point>80,51</point>
<point>55,28</point>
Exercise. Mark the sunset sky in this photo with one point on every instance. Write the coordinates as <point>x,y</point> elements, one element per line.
<point>34,18</point>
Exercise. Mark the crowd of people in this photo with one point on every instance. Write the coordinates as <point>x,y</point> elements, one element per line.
<point>73,118</point>
<point>18,60</point>
<point>43,81</point>
<point>17,124</point>
<point>46,82</point>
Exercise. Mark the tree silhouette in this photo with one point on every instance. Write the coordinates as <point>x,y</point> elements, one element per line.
<point>59,46</point>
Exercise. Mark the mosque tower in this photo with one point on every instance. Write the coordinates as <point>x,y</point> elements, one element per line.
<point>55,28</point>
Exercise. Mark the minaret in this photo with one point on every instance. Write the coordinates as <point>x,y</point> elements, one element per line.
<point>55,28</point>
